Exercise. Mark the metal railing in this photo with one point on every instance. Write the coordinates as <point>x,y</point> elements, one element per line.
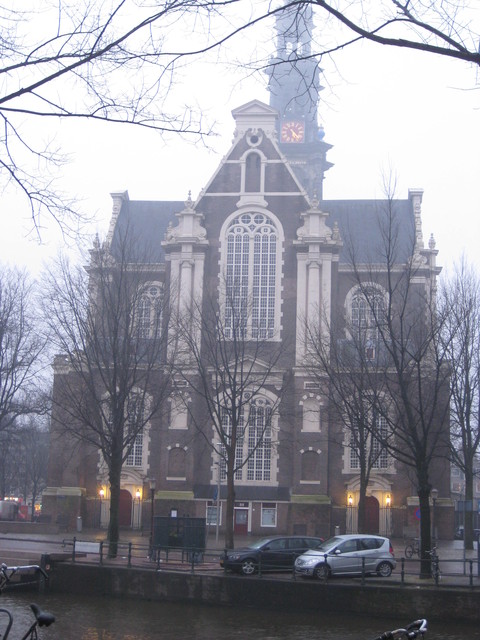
<point>453,571</point>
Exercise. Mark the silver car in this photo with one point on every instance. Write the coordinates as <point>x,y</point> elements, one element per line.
<point>349,555</point>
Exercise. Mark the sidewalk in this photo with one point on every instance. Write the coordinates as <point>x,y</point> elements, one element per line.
<point>459,568</point>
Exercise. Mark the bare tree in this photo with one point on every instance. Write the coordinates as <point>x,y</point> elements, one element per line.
<point>415,389</point>
<point>32,460</point>
<point>460,299</point>
<point>109,328</point>
<point>22,344</point>
<point>118,62</point>
<point>442,28</point>
<point>345,359</point>
<point>231,363</point>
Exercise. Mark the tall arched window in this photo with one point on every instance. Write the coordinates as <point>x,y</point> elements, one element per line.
<point>366,311</point>
<point>149,310</point>
<point>252,244</point>
<point>253,167</point>
<point>254,446</point>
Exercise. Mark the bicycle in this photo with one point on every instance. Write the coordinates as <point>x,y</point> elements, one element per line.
<point>413,548</point>
<point>414,629</point>
<point>435,568</point>
<point>42,618</point>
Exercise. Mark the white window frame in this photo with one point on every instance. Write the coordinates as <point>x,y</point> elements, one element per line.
<point>266,508</point>
<point>251,263</point>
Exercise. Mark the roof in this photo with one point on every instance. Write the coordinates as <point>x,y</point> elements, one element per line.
<point>147,222</point>
<point>362,221</point>
<point>359,221</point>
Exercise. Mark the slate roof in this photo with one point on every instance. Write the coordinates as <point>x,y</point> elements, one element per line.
<point>359,220</point>
<point>147,221</point>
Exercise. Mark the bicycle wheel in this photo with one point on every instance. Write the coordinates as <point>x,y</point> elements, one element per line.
<point>409,551</point>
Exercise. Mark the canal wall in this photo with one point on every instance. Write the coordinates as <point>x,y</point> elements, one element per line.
<point>379,600</point>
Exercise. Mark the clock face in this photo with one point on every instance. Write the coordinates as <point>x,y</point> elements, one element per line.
<point>292,131</point>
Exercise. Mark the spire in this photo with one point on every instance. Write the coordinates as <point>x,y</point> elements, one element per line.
<point>294,86</point>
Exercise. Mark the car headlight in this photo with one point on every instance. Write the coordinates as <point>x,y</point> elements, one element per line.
<point>234,556</point>
<point>309,560</point>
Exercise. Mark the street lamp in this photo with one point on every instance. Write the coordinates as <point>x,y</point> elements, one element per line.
<point>218,444</point>
<point>101,493</point>
<point>138,496</point>
<point>434,494</point>
<point>152,498</point>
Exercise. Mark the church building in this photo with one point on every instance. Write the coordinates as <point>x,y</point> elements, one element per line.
<point>262,214</point>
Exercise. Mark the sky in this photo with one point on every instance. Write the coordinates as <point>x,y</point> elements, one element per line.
<point>384,110</point>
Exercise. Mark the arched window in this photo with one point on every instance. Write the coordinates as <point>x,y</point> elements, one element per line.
<point>149,310</point>
<point>253,167</point>
<point>254,451</point>
<point>135,425</point>
<point>368,441</point>
<point>366,313</point>
<point>252,277</point>
<point>179,412</point>
<point>310,414</point>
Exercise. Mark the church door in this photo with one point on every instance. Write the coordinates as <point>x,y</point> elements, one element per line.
<point>372,515</point>
<point>125,509</point>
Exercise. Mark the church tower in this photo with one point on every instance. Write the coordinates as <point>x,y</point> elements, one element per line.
<point>294,87</point>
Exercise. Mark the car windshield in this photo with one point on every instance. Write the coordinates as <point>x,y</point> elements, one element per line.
<point>328,544</point>
<point>258,543</point>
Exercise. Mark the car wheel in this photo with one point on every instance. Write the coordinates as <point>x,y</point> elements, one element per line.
<point>321,571</point>
<point>384,569</point>
<point>248,567</point>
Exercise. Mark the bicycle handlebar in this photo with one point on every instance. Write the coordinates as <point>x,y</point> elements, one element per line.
<point>6,572</point>
<point>414,629</point>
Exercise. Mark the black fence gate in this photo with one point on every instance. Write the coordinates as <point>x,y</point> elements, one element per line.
<point>187,534</point>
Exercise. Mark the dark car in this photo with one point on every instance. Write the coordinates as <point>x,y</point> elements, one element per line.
<point>277,553</point>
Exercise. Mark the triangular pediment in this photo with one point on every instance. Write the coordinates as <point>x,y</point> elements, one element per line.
<point>255,115</point>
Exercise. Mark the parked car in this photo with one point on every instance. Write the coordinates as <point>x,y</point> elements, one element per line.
<point>459,533</point>
<point>348,554</point>
<point>277,553</point>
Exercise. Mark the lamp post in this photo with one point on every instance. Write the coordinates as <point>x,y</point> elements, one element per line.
<point>388,515</point>
<point>349,522</point>
<point>101,493</point>
<point>217,525</point>
<point>152,498</point>
<point>137,496</point>
<point>434,494</point>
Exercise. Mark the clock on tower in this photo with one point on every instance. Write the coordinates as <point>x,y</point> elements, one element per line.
<point>292,131</point>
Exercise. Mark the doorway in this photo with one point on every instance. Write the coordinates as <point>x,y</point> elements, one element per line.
<point>240,522</point>
<point>125,509</point>
<point>372,515</point>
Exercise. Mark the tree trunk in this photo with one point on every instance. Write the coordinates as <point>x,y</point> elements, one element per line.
<point>361,500</point>
<point>468,510</point>
<point>425,531</point>
<point>229,541</point>
<point>113,525</point>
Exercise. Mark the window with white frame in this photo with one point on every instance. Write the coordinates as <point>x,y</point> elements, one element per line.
<point>370,441</point>
<point>269,514</point>
<point>366,307</point>
<point>179,411</point>
<point>310,413</point>
<point>135,422</point>
<point>149,310</point>
<point>251,276</point>
<point>212,513</point>
<point>253,454</point>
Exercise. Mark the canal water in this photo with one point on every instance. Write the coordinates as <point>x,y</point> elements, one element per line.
<point>85,618</point>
